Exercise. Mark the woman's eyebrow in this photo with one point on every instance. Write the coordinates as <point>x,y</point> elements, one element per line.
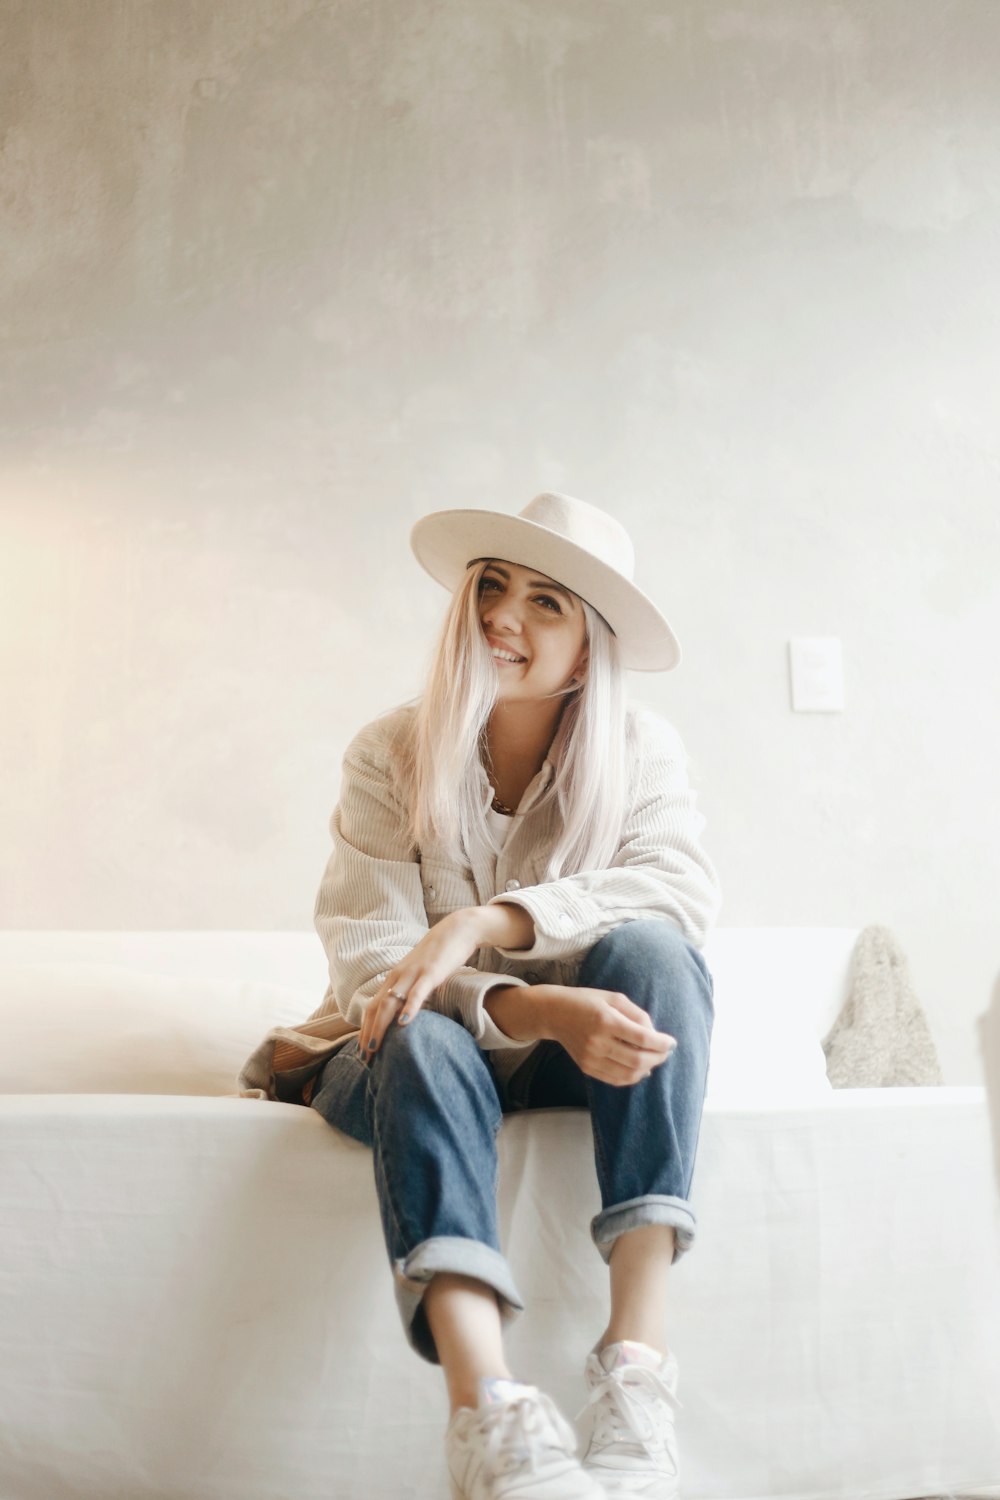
<point>534,583</point>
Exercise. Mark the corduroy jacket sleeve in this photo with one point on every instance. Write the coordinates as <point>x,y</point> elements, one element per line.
<point>660,869</point>
<point>370,911</point>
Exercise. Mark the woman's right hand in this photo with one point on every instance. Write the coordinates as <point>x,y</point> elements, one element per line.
<point>607,1035</point>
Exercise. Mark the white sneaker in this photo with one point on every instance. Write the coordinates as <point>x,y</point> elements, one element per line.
<point>627,1426</point>
<point>515,1445</point>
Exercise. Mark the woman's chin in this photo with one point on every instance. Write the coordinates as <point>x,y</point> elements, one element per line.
<point>517,693</point>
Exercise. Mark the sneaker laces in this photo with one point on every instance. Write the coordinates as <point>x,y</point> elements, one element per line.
<point>516,1429</point>
<point>628,1412</point>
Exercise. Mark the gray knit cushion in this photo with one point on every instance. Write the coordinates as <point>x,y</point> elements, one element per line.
<point>881,1038</point>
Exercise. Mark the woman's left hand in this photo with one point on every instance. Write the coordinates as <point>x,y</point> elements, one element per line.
<point>444,949</point>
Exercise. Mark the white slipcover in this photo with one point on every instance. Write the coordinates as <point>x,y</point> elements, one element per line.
<point>195,1300</point>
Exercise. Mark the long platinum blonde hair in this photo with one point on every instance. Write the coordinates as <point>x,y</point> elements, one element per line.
<point>440,766</point>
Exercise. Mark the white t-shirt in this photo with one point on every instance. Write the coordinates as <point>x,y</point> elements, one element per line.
<point>505,1062</point>
<point>500,823</point>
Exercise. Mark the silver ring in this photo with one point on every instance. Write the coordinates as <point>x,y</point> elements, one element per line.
<point>394,996</point>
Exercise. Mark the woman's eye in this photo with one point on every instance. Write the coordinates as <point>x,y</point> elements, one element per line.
<point>485,583</point>
<point>547,599</point>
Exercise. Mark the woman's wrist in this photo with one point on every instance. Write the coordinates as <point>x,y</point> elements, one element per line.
<point>506,925</point>
<point>518,1010</point>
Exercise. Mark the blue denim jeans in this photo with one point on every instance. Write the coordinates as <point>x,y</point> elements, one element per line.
<point>430,1107</point>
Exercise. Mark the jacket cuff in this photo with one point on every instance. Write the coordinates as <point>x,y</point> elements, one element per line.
<point>463,996</point>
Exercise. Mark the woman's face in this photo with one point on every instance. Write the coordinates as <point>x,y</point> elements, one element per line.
<point>531,617</point>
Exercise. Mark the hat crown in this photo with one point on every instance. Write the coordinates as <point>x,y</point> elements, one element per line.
<point>586,526</point>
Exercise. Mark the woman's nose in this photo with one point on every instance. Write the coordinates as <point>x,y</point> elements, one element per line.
<point>504,614</point>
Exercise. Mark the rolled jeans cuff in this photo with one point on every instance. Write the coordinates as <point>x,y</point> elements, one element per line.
<point>655,1208</point>
<point>462,1257</point>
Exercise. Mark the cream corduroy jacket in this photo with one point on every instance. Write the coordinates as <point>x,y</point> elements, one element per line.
<point>379,894</point>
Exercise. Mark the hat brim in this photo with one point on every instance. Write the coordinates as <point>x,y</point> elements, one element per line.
<point>447,541</point>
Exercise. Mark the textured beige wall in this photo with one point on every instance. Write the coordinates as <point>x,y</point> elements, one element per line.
<point>277,277</point>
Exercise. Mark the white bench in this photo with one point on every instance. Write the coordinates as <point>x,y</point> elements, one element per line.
<point>195,1299</point>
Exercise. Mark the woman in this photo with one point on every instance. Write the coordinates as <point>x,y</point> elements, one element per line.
<point>513,912</point>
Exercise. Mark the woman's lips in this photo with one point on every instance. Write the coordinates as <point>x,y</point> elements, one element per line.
<point>501,661</point>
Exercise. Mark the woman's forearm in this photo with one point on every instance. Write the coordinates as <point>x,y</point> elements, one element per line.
<point>504,925</point>
<point>514,1007</point>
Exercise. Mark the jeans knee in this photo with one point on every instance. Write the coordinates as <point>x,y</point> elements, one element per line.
<point>644,947</point>
<point>653,963</point>
<point>434,1065</point>
<point>426,1050</point>
<point>652,938</point>
<point>427,1040</point>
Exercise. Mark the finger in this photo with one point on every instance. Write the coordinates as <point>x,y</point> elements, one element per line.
<point>629,1066</point>
<point>627,1053</point>
<point>393,1005</point>
<point>634,1062</point>
<point>629,1008</point>
<point>377,1021</point>
<point>638,1023</point>
<point>655,1044</point>
<point>411,1005</point>
<point>368,1032</point>
<point>639,1036</point>
<point>619,1075</point>
<point>369,1018</point>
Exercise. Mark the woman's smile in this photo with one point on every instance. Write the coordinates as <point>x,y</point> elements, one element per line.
<point>503,655</point>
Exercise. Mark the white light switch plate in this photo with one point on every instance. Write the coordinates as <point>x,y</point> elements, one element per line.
<point>817,665</point>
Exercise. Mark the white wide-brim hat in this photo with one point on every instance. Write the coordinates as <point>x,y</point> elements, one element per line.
<point>571,542</point>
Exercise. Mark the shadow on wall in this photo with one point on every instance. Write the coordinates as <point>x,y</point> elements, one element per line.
<point>988,1026</point>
